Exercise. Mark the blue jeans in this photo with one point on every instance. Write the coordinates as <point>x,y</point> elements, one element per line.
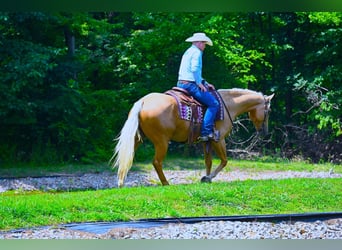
<point>208,100</point>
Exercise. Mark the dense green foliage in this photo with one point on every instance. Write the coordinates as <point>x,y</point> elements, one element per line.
<point>217,199</point>
<point>67,80</point>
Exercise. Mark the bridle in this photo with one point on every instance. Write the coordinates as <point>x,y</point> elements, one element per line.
<point>267,111</point>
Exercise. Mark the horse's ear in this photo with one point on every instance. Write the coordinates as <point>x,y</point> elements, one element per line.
<point>268,98</point>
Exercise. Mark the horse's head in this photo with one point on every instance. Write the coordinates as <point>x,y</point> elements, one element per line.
<point>259,115</point>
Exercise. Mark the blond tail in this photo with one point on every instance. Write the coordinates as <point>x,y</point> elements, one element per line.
<point>124,150</point>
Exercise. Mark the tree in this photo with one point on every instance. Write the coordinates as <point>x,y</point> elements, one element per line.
<point>68,80</point>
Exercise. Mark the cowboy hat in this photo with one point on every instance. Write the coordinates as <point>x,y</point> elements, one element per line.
<point>200,37</point>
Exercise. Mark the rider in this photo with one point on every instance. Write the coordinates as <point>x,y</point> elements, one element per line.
<point>190,79</point>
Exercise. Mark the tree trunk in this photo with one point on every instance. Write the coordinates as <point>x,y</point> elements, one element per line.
<point>69,41</point>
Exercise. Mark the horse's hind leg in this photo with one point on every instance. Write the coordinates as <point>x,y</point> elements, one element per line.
<point>160,152</point>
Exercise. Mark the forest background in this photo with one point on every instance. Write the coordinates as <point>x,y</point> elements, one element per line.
<point>68,80</point>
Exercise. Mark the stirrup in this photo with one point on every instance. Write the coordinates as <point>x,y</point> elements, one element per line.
<point>216,135</point>
<point>205,138</point>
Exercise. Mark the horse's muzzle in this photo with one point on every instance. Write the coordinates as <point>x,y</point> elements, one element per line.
<point>263,131</point>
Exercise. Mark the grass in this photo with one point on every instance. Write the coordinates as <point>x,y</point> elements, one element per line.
<point>30,209</point>
<point>20,171</point>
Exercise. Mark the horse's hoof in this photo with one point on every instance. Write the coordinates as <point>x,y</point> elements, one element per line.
<point>206,179</point>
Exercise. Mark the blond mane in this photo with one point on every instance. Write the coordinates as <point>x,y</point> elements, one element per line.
<point>239,91</point>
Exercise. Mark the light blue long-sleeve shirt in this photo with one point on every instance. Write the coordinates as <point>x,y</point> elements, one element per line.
<point>191,65</point>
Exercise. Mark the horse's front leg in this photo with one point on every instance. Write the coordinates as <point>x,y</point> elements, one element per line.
<point>220,149</point>
<point>207,149</point>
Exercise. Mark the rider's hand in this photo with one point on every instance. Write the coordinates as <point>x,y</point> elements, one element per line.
<point>210,86</point>
<point>202,87</point>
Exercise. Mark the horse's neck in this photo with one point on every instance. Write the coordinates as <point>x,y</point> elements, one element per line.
<point>239,104</point>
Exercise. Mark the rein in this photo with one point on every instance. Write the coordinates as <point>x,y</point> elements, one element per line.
<point>225,106</point>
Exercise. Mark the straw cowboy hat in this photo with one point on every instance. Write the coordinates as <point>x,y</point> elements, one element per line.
<point>200,37</point>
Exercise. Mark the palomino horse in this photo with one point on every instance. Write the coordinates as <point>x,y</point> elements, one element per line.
<point>156,117</point>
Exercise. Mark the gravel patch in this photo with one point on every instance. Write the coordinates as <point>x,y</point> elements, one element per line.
<point>328,229</point>
<point>109,180</point>
<point>331,229</point>
<point>48,233</point>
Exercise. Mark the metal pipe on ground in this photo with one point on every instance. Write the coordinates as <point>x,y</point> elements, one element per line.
<point>104,227</point>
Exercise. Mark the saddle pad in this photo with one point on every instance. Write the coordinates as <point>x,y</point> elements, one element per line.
<point>186,109</point>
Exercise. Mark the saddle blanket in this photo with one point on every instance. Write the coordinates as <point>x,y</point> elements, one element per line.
<point>191,111</point>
